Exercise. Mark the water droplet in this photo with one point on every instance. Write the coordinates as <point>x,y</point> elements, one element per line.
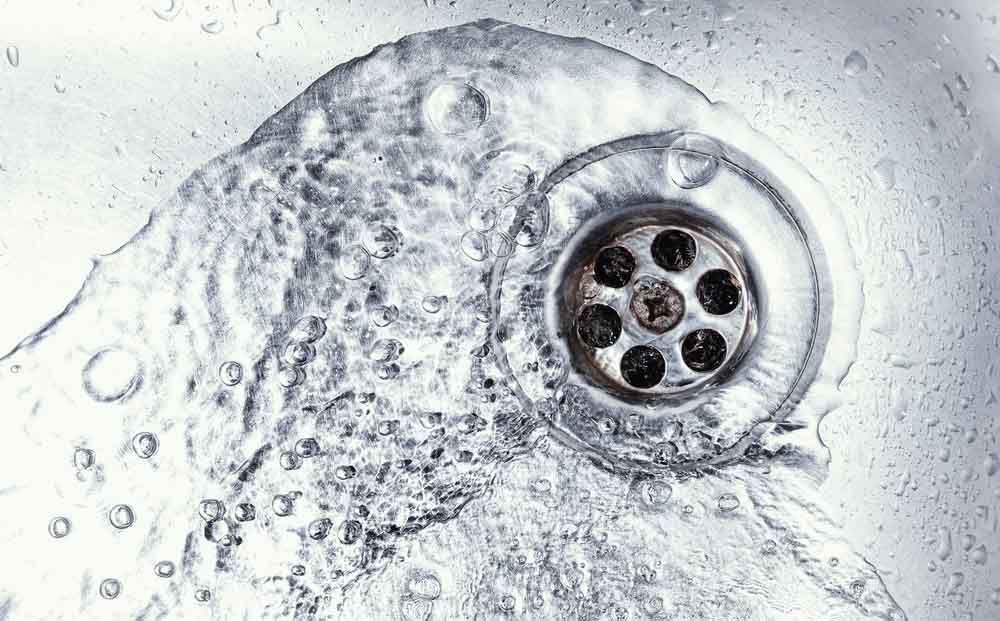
<point>211,509</point>
<point>385,350</point>
<point>383,316</point>
<point>387,427</point>
<point>354,262</point>
<point>290,461</point>
<point>475,246</point>
<point>145,444</point>
<point>261,32</point>
<point>289,376</point>
<point>884,173</point>
<point>455,107</point>
<point>992,65</point>
<point>728,502</point>
<point>433,303</point>
<point>307,447</point>
<point>202,595</point>
<point>245,512</point>
<point>282,505</point>
<point>213,27</point>
<point>506,603</point>
<point>309,328</point>
<point>121,516</point>
<point>380,241</point>
<point>83,458</point>
<point>692,160</point>
<point>59,85</point>
<point>13,55</point>
<point>230,373</point>
<point>319,529</point>
<point>298,353</point>
<point>423,585</point>
<point>345,472</point>
<point>171,11</point>
<point>979,555</point>
<point>110,588</point>
<point>657,493</point>
<point>991,464</point>
<point>164,569</point>
<point>59,527</point>
<point>350,532</point>
<point>855,63</point>
<point>110,375</point>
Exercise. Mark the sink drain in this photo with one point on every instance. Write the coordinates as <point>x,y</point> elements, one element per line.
<point>662,306</point>
<point>674,304</point>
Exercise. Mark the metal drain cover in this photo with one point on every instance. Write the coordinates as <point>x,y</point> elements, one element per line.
<point>672,306</point>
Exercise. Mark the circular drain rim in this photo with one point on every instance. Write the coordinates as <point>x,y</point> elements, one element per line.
<point>823,286</point>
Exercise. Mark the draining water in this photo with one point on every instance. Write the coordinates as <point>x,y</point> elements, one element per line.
<point>456,333</point>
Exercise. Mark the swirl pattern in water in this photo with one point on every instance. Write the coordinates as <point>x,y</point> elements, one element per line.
<point>340,372</point>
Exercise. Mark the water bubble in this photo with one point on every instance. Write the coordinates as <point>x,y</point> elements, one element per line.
<point>83,458</point>
<point>345,472</point>
<point>59,527</point>
<point>692,161</point>
<point>298,353</point>
<point>13,55</point>
<point>387,427</point>
<point>121,516</point>
<point>350,532</point>
<point>728,502</point>
<point>213,27</point>
<point>307,447</point>
<point>387,371</point>
<point>454,107</point>
<point>217,531</point>
<point>202,595</point>
<point>145,444</point>
<point>110,374</point>
<point>354,262</point>
<point>855,63</point>
<point>211,509</point>
<point>385,350</point>
<point>769,547</point>
<point>230,373</point>
<point>298,570</point>
<point>506,603</point>
<point>290,461</point>
<point>424,585</point>
<point>385,315</point>
<point>282,505</point>
<point>245,512</point>
<point>164,569</point>
<point>475,246</point>
<point>979,555</point>
<point>289,376</point>
<point>433,303</point>
<point>430,419</point>
<point>482,216</point>
<point>171,11</point>
<point>657,493</point>
<point>319,529</point>
<point>380,241</point>
<point>110,588</point>
<point>309,328</point>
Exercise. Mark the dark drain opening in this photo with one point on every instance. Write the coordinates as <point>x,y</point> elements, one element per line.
<point>599,326</point>
<point>643,366</point>
<point>704,350</point>
<point>674,250</point>
<point>614,267</point>
<point>719,292</point>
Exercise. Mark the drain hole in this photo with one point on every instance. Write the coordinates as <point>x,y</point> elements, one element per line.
<point>719,292</point>
<point>658,306</point>
<point>599,325</point>
<point>704,350</point>
<point>643,366</point>
<point>614,267</point>
<point>674,250</point>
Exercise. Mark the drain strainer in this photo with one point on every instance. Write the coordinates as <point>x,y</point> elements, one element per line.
<point>673,305</point>
<point>664,306</point>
